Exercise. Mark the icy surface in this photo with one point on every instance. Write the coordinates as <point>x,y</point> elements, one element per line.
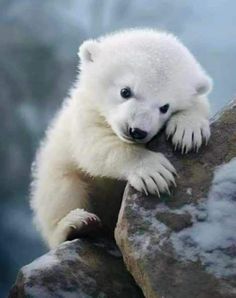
<point>212,237</point>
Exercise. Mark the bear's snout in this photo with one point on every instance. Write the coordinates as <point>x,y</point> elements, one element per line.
<point>137,133</point>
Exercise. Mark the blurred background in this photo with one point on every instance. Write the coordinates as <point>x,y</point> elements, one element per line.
<point>38,63</point>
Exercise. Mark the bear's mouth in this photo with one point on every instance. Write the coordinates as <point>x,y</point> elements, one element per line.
<point>126,138</point>
<point>130,140</point>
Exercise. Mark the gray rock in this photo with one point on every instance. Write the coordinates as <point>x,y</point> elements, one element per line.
<point>184,245</point>
<point>79,268</point>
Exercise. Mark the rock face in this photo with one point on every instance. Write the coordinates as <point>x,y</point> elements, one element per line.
<point>184,245</point>
<point>77,269</point>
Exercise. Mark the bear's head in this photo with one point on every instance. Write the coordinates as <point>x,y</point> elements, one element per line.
<point>138,78</point>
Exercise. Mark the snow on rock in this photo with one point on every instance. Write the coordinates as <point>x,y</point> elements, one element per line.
<point>144,241</point>
<point>213,240</point>
<point>47,261</point>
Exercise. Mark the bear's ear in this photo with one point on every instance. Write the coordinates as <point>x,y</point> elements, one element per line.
<point>88,50</point>
<point>204,85</point>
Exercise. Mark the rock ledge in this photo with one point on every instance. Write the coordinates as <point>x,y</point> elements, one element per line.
<point>185,245</point>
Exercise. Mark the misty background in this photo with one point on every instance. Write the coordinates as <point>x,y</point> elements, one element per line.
<point>38,62</point>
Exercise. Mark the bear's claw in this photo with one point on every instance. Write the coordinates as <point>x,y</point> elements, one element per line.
<point>86,224</point>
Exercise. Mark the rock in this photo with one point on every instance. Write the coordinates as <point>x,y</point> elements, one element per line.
<point>79,268</point>
<point>184,245</point>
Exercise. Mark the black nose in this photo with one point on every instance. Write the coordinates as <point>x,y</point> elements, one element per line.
<point>137,134</point>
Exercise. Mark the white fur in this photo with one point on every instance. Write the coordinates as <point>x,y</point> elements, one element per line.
<point>89,139</point>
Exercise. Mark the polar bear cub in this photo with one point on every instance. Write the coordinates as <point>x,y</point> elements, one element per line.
<point>130,85</point>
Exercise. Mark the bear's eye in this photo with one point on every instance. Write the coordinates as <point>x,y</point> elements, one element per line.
<point>164,108</point>
<point>126,92</point>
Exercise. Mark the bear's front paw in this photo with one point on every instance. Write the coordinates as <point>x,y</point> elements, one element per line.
<point>188,131</point>
<point>153,175</point>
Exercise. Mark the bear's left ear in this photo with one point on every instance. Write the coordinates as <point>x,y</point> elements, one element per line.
<point>88,50</point>
<point>204,85</point>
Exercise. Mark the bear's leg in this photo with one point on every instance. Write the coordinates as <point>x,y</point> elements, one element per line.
<point>60,200</point>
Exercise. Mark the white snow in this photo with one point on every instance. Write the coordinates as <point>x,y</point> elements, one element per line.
<point>189,191</point>
<point>212,238</point>
<point>46,261</point>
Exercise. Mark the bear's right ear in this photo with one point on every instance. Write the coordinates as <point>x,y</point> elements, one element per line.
<point>88,50</point>
<point>204,85</point>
